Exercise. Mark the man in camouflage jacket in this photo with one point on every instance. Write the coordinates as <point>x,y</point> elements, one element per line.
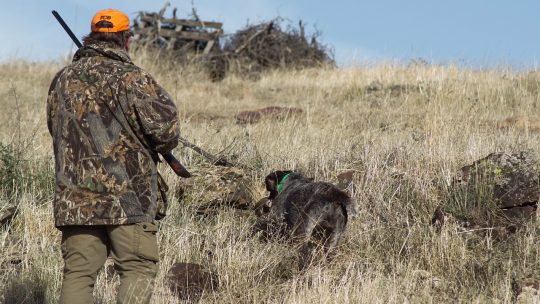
<point>108,120</point>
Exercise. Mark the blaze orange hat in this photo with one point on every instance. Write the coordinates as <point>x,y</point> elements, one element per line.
<point>110,21</point>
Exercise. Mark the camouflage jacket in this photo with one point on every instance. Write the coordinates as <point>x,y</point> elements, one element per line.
<point>108,120</point>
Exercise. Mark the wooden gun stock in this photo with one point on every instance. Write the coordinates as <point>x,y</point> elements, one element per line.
<point>177,167</point>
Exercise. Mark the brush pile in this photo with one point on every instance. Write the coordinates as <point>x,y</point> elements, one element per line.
<point>267,46</point>
<point>248,52</point>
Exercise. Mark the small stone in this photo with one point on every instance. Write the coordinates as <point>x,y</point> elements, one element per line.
<point>190,281</point>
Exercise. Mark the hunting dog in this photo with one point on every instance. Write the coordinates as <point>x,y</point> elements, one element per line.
<point>311,213</point>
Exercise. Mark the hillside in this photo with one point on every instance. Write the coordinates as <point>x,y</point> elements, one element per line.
<point>405,130</point>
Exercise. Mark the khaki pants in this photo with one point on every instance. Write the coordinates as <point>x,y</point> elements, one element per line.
<point>85,249</point>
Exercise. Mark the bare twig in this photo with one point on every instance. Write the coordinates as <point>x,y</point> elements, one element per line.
<point>220,161</point>
<point>163,9</point>
<point>248,41</point>
<point>18,118</point>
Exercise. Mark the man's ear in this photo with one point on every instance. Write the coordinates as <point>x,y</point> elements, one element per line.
<point>128,38</point>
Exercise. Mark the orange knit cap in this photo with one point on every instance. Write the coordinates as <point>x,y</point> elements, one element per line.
<point>110,21</point>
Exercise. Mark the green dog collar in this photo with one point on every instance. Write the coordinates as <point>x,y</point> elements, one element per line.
<point>280,185</point>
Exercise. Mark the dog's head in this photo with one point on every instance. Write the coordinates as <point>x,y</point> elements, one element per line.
<point>272,181</point>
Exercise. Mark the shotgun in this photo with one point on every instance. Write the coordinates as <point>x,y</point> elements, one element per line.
<point>177,167</point>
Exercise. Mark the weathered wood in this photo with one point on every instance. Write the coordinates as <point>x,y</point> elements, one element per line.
<point>180,34</point>
<point>173,40</point>
<point>209,46</point>
<point>164,8</point>
<point>167,33</point>
<point>146,31</point>
<point>184,22</point>
<point>201,36</point>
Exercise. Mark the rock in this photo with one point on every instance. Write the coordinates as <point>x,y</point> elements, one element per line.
<point>495,195</point>
<point>237,195</point>
<point>273,112</point>
<point>217,187</point>
<point>190,281</point>
<point>513,178</point>
<point>529,285</point>
<point>240,197</point>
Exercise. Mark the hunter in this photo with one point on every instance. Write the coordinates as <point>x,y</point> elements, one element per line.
<point>109,119</point>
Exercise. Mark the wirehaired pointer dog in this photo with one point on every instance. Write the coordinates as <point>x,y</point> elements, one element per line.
<point>312,213</point>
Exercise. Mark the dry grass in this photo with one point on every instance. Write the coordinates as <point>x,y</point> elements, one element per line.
<point>405,129</point>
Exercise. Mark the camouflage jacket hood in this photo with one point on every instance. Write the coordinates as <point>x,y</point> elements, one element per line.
<point>108,120</point>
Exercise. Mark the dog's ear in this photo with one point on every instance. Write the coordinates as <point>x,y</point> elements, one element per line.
<point>272,180</point>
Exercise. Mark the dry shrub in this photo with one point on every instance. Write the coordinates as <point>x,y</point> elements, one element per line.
<point>267,45</point>
<point>248,52</point>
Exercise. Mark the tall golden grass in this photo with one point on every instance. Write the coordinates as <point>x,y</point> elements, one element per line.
<point>404,129</point>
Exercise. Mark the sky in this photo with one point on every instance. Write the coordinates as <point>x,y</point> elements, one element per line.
<point>475,33</point>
